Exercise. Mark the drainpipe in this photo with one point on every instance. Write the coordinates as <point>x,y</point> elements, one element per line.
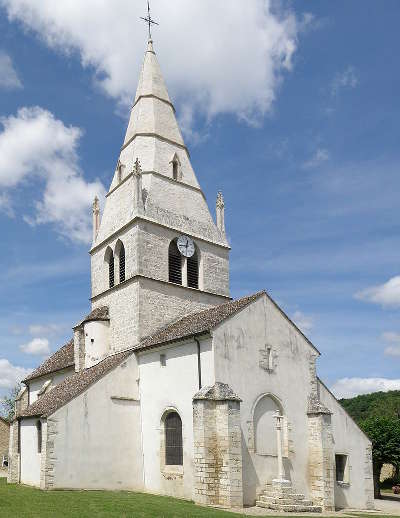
<point>198,360</point>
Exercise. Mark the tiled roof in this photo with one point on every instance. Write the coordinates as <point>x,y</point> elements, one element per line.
<point>100,313</point>
<point>197,323</point>
<point>72,386</point>
<point>61,359</point>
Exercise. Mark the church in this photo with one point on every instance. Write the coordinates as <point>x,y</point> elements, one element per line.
<point>168,385</point>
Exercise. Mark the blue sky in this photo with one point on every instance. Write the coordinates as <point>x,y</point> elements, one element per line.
<point>292,109</point>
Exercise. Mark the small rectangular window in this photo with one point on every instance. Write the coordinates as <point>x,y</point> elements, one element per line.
<point>341,462</point>
<point>163,360</point>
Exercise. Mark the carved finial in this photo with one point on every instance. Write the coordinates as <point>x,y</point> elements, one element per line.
<point>137,168</point>
<point>137,185</point>
<point>220,200</point>
<point>220,211</point>
<point>96,217</point>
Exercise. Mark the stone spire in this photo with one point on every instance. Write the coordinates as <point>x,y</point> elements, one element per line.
<point>220,211</point>
<point>152,111</point>
<point>96,217</point>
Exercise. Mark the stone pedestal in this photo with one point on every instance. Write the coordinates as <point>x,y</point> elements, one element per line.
<point>280,496</point>
<point>217,447</point>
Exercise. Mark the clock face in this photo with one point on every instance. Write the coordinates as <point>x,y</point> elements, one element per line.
<point>185,246</point>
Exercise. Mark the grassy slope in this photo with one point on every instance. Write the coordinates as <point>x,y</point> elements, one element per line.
<point>25,502</point>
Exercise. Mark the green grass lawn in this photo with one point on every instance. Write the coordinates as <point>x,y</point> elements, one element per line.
<point>25,502</point>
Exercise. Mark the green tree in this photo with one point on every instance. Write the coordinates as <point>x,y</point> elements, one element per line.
<point>7,404</point>
<point>384,433</point>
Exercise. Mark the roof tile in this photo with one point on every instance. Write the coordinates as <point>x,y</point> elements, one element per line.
<point>72,386</point>
<point>197,323</point>
<point>61,359</point>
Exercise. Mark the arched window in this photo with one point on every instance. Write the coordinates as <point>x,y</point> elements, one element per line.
<point>173,440</point>
<point>39,436</point>
<point>265,425</point>
<point>120,254</point>
<point>193,271</point>
<point>174,263</point>
<point>109,259</point>
<point>175,169</point>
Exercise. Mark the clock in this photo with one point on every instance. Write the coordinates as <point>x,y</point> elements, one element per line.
<point>185,246</point>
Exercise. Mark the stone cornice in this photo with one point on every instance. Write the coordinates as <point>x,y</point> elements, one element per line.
<point>151,220</point>
<point>140,276</point>
<point>159,137</point>
<point>147,96</point>
<point>159,175</point>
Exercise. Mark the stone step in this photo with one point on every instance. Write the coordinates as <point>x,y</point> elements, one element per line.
<point>290,508</point>
<point>284,501</point>
<point>275,494</point>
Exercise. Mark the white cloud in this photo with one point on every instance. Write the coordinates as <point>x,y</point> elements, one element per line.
<point>44,330</point>
<point>320,156</point>
<point>35,144</point>
<point>344,80</point>
<point>350,387</point>
<point>8,76</point>
<point>37,347</point>
<point>5,205</point>
<point>394,339</point>
<point>10,374</point>
<point>392,350</point>
<point>302,321</point>
<point>387,294</point>
<point>207,63</point>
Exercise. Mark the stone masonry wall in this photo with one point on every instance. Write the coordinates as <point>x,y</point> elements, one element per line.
<point>4,437</point>
<point>368,477</point>
<point>13,456</point>
<point>48,454</point>
<point>217,453</point>
<point>43,457</point>
<point>321,461</point>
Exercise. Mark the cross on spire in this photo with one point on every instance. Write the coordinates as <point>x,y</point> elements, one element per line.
<point>149,20</point>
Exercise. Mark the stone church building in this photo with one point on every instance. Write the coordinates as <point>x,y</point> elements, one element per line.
<point>168,385</point>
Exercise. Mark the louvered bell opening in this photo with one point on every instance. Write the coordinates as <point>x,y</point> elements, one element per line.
<point>122,265</point>
<point>193,272</point>
<point>111,272</point>
<point>175,265</point>
<point>173,440</point>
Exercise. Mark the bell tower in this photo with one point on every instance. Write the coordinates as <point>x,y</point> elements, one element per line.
<point>176,259</point>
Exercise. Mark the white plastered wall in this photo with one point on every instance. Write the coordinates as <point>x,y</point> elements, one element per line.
<point>55,378</point>
<point>237,343</point>
<point>349,440</point>
<point>171,387</point>
<point>30,457</point>
<point>97,444</point>
<point>97,341</point>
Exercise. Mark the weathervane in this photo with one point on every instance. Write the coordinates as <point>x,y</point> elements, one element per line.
<point>149,19</point>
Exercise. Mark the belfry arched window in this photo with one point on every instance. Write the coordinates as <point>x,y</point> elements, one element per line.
<point>109,259</point>
<point>174,263</point>
<point>120,254</point>
<point>122,264</point>
<point>173,440</point>
<point>193,271</point>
